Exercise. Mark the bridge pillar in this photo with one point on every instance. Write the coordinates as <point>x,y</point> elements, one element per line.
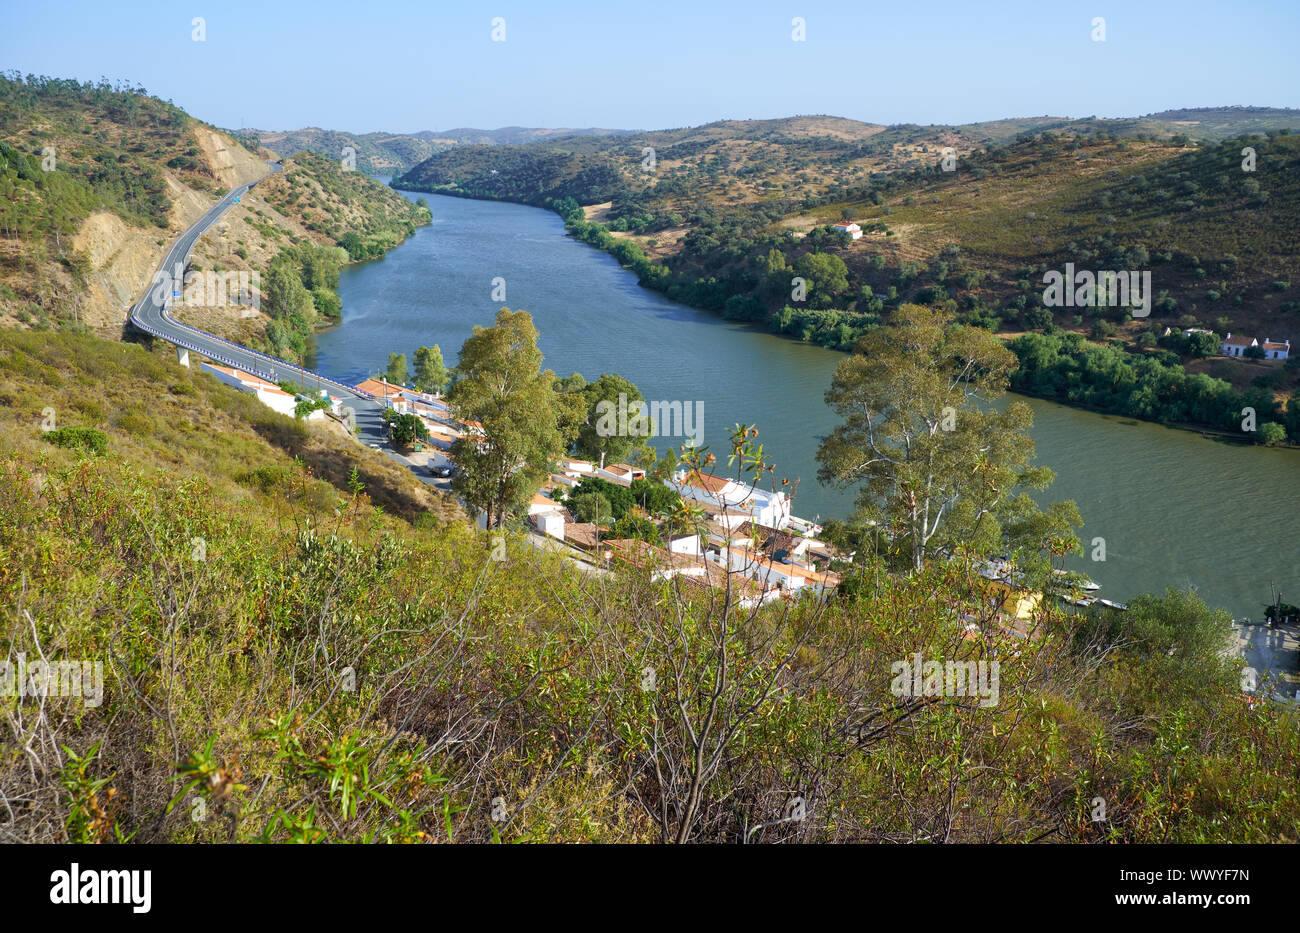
<point>183,356</point>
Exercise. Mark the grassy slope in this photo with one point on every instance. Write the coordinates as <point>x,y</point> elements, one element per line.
<point>94,235</point>
<point>163,417</point>
<point>311,651</point>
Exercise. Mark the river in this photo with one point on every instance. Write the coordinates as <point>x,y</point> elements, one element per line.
<point>1173,507</point>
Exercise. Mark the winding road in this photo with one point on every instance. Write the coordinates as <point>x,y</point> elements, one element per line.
<point>151,316</point>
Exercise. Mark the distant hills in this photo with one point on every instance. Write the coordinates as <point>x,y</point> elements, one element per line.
<point>392,153</point>
<point>722,216</point>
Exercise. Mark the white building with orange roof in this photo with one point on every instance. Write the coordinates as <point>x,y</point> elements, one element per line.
<point>268,393</point>
<point>767,507</point>
<point>1272,349</point>
<point>621,473</point>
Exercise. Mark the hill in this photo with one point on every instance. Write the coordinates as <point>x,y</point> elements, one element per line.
<point>283,662</point>
<point>394,153</point>
<point>726,216</point>
<point>97,178</point>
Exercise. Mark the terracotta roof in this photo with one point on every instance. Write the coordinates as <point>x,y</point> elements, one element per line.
<point>583,534</point>
<point>247,379</point>
<point>706,481</point>
<point>715,578</point>
<point>770,540</point>
<point>1238,341</point>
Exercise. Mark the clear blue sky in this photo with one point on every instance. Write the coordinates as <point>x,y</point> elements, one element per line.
<point>405,66</point>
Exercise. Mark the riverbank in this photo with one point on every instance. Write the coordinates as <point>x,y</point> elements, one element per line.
<point>1174,507</point>
<point>1227,404</point>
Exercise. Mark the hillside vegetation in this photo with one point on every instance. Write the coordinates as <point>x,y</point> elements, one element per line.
<point>298,227</point>
<point>81,233</point>
<point>95,179</point>
<point>282,662</point>
<point>737,218</point>
<point>394,153</point>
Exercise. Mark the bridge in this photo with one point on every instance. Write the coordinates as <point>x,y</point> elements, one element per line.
<point>152,315</point>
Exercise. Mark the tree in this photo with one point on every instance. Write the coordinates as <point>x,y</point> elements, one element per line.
<point>935,470</point>
<point>396,371</point>
<point>1270,433</point>
<point>620,498</point>
<point>571,412</point>
<point>1293,415</point>
<point>404,430</point>
<point>591,507</point>
<point>285,294</point>
<point>502,386</point>
<point>612,427</point>
<point>826,274</point>
<point>430,373</point>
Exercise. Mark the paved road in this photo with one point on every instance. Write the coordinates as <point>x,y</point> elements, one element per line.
<point>151,315</point>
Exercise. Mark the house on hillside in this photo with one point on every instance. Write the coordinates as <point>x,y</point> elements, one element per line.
<point>846,226</point>
<point>621,473</point>
<point>1237,346</point>
<point>1276,351</point>
<point>771,508</point>
<point>268,393</point>
<point>549,523</point>
<point>541,504</point>
<point>576,468</point>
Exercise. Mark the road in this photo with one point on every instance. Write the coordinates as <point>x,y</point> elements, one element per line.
<point>151,315</point>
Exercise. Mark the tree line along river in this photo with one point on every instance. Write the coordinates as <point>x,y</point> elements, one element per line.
<point>1174,508</point>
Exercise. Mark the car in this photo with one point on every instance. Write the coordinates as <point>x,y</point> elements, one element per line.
<point>376,447</point>
<point>442,470</point>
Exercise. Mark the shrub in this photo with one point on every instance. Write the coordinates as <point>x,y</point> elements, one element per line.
<point>84,438</point>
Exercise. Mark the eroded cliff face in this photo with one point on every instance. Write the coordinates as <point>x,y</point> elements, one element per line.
<point>116,260</point>
<point>123,258</point>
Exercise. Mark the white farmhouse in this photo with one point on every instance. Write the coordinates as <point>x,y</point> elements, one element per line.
<point>1273,350</point>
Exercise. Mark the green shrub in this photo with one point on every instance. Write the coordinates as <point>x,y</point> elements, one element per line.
<point>85,438</point>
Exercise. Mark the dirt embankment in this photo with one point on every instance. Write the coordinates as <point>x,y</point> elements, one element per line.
<point>123,258</point>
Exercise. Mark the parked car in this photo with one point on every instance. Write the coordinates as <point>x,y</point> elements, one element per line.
<point>443,470</point>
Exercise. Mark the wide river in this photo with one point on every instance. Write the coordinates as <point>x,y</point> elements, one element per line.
<point>1173,507</point>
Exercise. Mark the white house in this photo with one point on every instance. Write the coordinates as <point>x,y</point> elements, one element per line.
<point>543,504</point>
<point>852,229</point>
<point>571,467</point>
<point>1276,351</point>
<point>621,473</point>
<point>1237,346</point>
<point>268,393</point>
<point>771,508</point>
<point>685,544</point>
<point>550,523</point>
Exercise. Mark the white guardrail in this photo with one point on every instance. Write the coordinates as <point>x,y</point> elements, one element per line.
<point>268,376</point>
